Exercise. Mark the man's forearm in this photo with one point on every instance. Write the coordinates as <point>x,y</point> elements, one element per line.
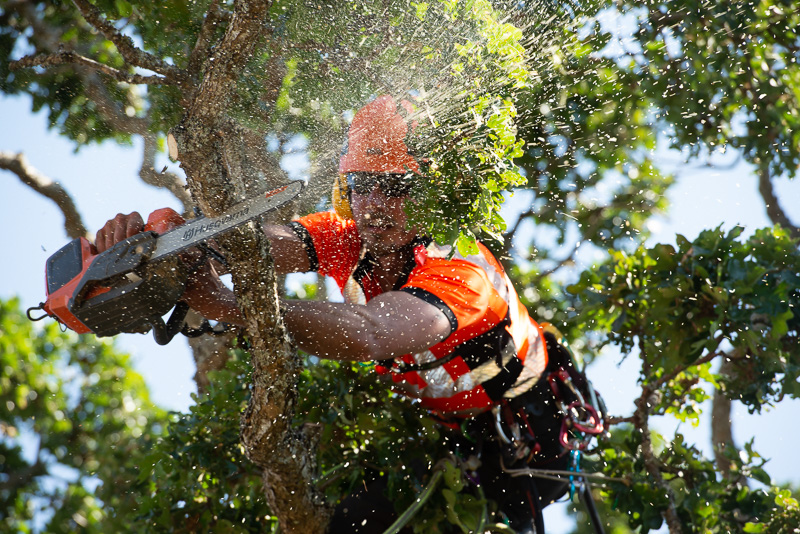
<point>389,326</point>
<point>326,329</point>
<point>331,330</point>
<point>206,294</point>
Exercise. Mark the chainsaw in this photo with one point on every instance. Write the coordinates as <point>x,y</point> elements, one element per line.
<point>133,284</point>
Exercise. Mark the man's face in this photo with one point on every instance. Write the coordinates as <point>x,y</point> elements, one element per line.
<point>377,203</point>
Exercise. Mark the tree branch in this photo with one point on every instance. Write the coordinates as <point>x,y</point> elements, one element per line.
<point>66,57</point>
<point>232,53</point>
<point>722,426</point>
<point>774,210</point>
<point>167,180</point>
<point>641,421</point>
<point>618,419</point>
<point>675,372</point>
<point>651,463</point>
<point>217,181</point>
<point>202,47</point>
<point>18,164</point>
<point>129,52</point>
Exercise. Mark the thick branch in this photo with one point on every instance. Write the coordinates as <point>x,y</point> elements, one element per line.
<point>18,164</point>
<point>641,419</point>
<point>774,210</point>
<point>66,57</point>
<point>202,47</point>
<point>167,180</point>
<point>217,181</point>
<point>286,456</point>
<point>651,463</point>
<point>722,427</point>
<point>231,55</point>
<point>127,49</point>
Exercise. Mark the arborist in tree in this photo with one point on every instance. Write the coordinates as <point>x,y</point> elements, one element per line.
<point>447,330</point>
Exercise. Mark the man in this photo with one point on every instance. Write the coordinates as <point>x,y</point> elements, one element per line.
<point>449,331</point>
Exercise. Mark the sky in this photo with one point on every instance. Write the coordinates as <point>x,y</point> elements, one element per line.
<point>103,180</point>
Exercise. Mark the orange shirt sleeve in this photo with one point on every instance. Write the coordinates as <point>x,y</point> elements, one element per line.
<point>332,244</point>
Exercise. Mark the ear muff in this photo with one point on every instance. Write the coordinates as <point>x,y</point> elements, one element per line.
<point>340,197</point>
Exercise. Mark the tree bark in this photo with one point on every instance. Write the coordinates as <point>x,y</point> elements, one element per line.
<point>722,427</point>
<point>651,463</point>
<point>775,212</point>
<point>217,181</point>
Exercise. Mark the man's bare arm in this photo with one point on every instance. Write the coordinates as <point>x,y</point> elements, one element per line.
<point>390,325</point>
<point>287,249</point>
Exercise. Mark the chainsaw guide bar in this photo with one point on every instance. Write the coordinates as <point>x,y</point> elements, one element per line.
<point>131,285</point>
<point>202,229</point>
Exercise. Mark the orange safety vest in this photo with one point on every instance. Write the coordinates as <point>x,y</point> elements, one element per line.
<point>495,351</point>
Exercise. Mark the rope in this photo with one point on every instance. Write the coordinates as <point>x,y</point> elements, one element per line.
<point>555,474</point>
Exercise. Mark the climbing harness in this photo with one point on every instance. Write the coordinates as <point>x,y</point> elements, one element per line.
<point>579,417</point>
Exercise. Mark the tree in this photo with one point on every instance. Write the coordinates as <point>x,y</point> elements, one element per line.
<point>524,97</point>
<point>702,74</point>
<point>73,413</point>
<point>197,56</point>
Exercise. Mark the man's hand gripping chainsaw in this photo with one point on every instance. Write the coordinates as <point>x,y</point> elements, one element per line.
<point>130,286</point>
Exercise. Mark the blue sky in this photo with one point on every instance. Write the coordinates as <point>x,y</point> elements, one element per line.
<point>103,181</point>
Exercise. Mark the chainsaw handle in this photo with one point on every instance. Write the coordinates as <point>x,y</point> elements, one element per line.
<point>120,259</point>
<point>163,333</point>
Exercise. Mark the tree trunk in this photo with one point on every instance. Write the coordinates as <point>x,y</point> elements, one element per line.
<point>722,427</point>
<point>217,181</point>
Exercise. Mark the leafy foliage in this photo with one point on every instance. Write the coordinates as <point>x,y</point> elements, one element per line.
<point>723,77</point>
<point>526,96</point>
<point>706,504</point>
<point>368,431</point>
<point>75,419</point>
<point>679,309</point>
<point>711,296</point>
<point>199,477</point>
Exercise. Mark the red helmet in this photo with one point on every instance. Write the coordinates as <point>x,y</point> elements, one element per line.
<point>376,142</point>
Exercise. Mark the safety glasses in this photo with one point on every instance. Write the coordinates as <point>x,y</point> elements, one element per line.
<point>392,185</point>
